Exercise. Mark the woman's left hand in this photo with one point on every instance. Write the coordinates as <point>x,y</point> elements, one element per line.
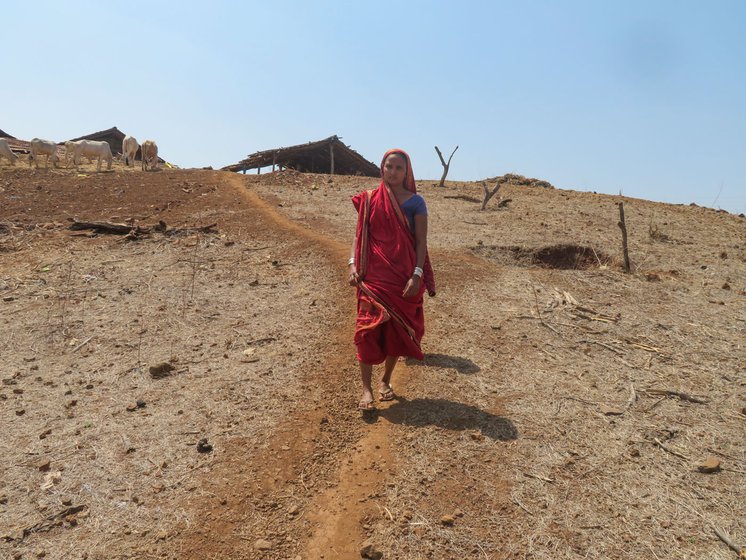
<point>412,287</point>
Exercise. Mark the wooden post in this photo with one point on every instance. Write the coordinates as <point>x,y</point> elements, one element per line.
<point>623,226</point>
<point>331,156</point>
<point>489,194</point>
<point>445,165</point>
<point>258,170</point>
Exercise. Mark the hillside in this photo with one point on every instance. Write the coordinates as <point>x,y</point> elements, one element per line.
<point>563,410</point>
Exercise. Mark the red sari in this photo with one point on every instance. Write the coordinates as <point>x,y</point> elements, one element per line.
<point>388,324</point>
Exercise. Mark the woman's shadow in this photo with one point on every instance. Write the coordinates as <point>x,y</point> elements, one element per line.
<point>444,361</point>
<point>449,415</point>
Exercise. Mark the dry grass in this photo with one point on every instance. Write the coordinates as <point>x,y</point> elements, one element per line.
<point>536,420</point>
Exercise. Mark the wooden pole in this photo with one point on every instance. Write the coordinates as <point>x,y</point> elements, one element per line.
<point>623,226</point>
<point>331,156</point>
<point>445,165</point>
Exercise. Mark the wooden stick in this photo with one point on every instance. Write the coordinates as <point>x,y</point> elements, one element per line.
<point>682,396</point>
<point>671,451</point>
<point>517,502</point>
<point>104,227</point>
<point>539,477</point>
<point>602,344</point>
<point>623,227</point>
<point>79,346</point>
<point>462,197</point>
<point>723,536</point>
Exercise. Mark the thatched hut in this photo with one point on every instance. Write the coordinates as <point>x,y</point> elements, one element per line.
<point>330,156</point>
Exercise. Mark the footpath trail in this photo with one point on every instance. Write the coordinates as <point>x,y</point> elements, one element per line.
<point>309,490</point>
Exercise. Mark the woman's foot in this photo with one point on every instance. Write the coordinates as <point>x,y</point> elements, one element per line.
<point>386,391</point>
<point>366,401</point>
<point>366,405</point>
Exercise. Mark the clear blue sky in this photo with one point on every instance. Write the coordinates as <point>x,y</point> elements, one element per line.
<point>646,97</point>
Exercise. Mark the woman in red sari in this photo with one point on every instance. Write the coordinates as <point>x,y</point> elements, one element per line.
<point>391,269</point>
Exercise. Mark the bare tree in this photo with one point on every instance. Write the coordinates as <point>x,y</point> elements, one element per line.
<point>445,165</point>
<point>489,193</point>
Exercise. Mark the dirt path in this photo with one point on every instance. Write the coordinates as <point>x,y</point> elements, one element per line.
<point>329,460</point>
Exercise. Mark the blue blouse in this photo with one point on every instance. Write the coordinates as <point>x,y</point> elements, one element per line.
<point>415,206</point>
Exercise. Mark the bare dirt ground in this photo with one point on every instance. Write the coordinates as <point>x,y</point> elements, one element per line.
<point>563,410</point>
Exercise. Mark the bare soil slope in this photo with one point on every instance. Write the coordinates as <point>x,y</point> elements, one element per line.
<point>563,409</point>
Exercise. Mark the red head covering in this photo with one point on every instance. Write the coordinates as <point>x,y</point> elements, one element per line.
<point>409,183</point>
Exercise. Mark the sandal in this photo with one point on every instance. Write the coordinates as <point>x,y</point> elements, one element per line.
<point>366,406</point>
<point>387,394</point>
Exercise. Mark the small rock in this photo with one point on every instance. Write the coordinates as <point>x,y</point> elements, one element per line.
<point>634,452</point>
<point>370,551</point>
<point>419,531</point>
<point>43,465</point>
<point>458,513</point>
<point>203,446</point>
<point>292,510</point>
<point>726,286</point>
<point>448,520</point>
<point>261,544</point>
<point>161,370</point>
<point>131,407</point>
<point>20,412</point>
<point>324,420</point>
<point>140,403</point>
<point>709,465</point>
<point>3,499</point>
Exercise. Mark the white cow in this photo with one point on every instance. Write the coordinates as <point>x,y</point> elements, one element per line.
<point>129,150</point>
<point>70,152</point>
<point>43,148</point>
<point>149,153</point>
<point>5,151</point>
<point>95,150</point>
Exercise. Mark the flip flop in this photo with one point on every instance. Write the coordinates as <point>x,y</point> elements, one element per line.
<point>387,394</point>
<point>366,406</point>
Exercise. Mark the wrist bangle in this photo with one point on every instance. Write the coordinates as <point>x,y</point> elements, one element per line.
<point>351,261</point>
<point>417,271</point>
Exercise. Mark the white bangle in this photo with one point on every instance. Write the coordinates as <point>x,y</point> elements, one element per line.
<point>417,271</point>
<point>351,261</point>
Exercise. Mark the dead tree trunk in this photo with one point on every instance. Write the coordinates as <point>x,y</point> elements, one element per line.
<point>445,165</point>
<point>489,193</point>
<point>623,227</point>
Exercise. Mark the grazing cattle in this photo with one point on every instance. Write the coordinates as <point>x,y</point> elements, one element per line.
<point>149,153</point>
<point>94,150</point>
<point>6,152</point>
<point>43,148</point>
<point>70,152</point>
<point>129,150</point>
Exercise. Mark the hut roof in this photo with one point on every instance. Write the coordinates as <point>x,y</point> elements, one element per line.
<point>313,157</point>
<point>4,134</point>
<point>112,135</point>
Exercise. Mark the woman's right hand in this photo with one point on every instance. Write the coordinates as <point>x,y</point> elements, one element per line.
<point>352,277</point>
